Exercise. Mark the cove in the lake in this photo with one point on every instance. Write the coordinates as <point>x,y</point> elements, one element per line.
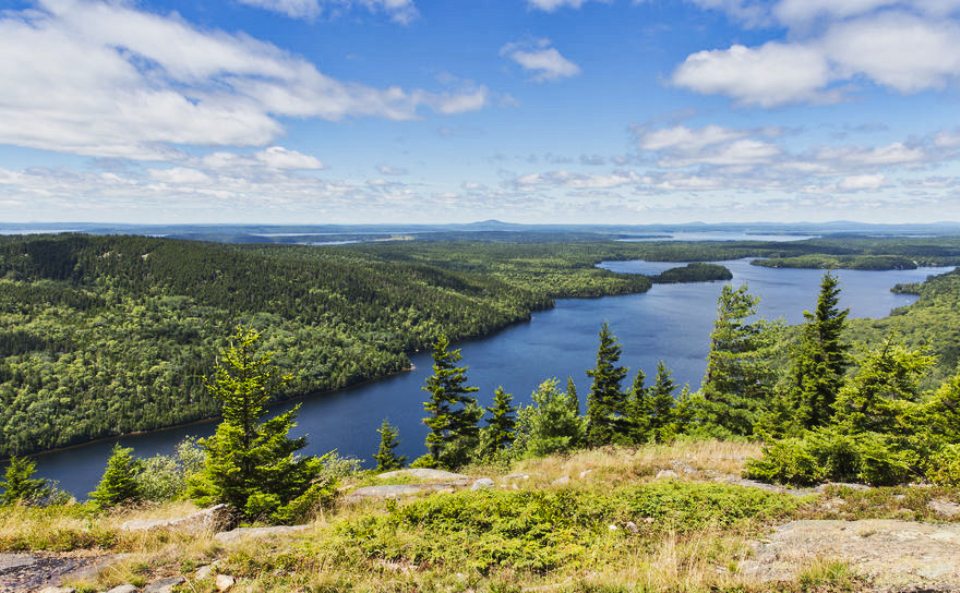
<point>670,322</point>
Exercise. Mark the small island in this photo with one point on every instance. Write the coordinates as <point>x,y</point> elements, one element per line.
<point>693,272</point>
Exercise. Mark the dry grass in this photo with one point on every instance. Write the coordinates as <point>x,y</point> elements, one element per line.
<point>615,466</point>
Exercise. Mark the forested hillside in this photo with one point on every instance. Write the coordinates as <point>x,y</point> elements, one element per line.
<point>108,335</point>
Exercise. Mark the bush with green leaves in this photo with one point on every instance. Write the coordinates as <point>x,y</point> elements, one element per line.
<point>164,477</point>
<point>551,424</point>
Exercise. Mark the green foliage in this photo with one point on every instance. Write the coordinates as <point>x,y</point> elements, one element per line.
<point>251,464</point>
<point>119,484</point>
<point>550,424</point>
<point>738,384</point>
<point>695,272</point>
<point>820,359</point>
<point>453,413</point>
<point>540,530</point>
<point>830,454</point>
<point>607,404</point>
<point>499,433</point>
<point>386,458</point>
<point>165,477</point>
<point>943,467</point>
<point>20,487</point>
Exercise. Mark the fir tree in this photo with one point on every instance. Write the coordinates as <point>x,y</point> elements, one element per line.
<point>386,457</point>
<point>573,398</point>
<point>499,433</point>
<point>453,413</point>
<point>607,403</point>
<point>740,376</point>
<point>637,408</point>
<point>660,404</point>
<point>119,483</point>
<point>19,486</point>
<point>820,359</point>
<point>253,465</point>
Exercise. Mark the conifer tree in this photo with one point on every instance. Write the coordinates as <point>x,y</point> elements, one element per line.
<point>19,486</point>
<point>573,398</point>
<point>251,464</point>
<point>740,376</point>
<point>637,408</point>
<point>499,432</point>
<point>549,425</point>
<point>661,404</point>
<point>119,483</point>
<point>453,413</point>
<point>386,456</point>
<point>820,359</point>
<point>607,403</point>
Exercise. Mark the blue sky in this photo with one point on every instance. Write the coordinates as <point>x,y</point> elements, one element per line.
<point>616,111</point>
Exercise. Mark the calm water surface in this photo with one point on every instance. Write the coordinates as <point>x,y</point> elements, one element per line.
<point>670,322</point>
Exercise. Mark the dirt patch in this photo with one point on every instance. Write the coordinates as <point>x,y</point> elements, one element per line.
<point>897,556</point>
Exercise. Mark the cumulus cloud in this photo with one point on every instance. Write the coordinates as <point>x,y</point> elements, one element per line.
<point>544,62</point>
<point>104,79</point>
<point>907,47</point>
<point>401,11</point>
<point>552,5</point>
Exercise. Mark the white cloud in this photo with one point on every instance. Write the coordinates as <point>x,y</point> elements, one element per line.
<point>862,182</point>
<point>891,154</point>
<point>401,11</point>
<point>552,5</point>
<point>104,79</point>
<point>770,75</point>
<point>176,175</point>
<point>905,47</point>
<point>540,59</point>
<point>278,157</point>
<point>684,139</point>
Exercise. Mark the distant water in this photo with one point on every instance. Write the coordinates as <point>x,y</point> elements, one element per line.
<point>670,322</point>
<point>722,236</point>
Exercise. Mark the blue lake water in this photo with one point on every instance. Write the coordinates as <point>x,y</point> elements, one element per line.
<point>670,322</point>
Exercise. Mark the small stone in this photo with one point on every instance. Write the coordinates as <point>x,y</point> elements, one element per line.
<point>482,484</point>
<point>631,527</point>
<point>164,585</point>
<point>585,473</point>
<point>648,520</point>
<point>128,588</point>
<point>224,582</point>
<point>944,507</point>
<point>204,572</point>
<point>561,481</point>
<point>666,474</point>
<point>612,527</point>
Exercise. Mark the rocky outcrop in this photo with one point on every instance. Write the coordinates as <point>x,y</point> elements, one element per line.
<point>894,555</point>
<point>233,535</point>
<point>211,519</point>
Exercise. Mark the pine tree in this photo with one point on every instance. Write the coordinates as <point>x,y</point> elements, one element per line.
<point>660,417</point>
<point>740,376</point>
<point>607,403</point>
<point>499,433</point>
<point>573,398</point>
<point>253,465</point>
<point>19,485</point>
<point>119,483</point>
<point>386,457</point>
<point>637,408</point>
<point>820,359</point>
<point>453,413</point>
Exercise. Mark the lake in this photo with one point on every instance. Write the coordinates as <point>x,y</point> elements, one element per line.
<point>670,322</point>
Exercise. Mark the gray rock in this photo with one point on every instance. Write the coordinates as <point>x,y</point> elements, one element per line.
<point>667,474</point>
<point>631,527</point>
<point>394,491</point>
<point>164,585</point>
<point>57,590</point>
<point>426,474</point>
<point>224,582</point>
<point>128,588</point>
<point>585,473</point>
<point>482,484</point>
<point>511,477</point>
<point>247,532</point>
<point>204,572</point>
<point>12,561</point>
<point>211,519</point>
<point>561,481</point>
<point>944,507</point>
